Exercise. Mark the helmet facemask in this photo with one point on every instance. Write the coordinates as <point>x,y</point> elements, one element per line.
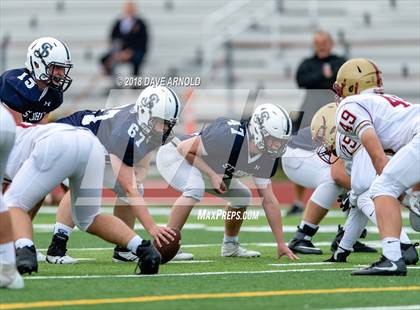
<point>325,150</point>
<point>156,136</point>
<point>58,82</point>
<point>274,147</point>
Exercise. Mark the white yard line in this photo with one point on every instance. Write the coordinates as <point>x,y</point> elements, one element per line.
<point>374,243</point>
<point>195,274</point>
<point>190,262</point>
<point>301,264</point>
<point>184,274</point>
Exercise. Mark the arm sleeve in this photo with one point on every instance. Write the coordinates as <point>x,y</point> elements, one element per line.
<point>261,181</point>
<point>362,172</point>
<point>353,119</point>
<point>215,140</point>
<point>122,147</point>
<point>268,168</point>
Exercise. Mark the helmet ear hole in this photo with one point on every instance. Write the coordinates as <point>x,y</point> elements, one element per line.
<point>36,65</point>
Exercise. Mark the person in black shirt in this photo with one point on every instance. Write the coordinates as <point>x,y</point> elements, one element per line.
<point>129,38</point>
<point>320,70</point>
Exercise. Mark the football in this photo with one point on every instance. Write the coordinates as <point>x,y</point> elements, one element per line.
<point>168,251</point>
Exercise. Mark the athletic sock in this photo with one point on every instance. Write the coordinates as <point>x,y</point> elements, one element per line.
<point>134,243</point>
<point>230,239</point>
<point>7,253</point>
<point>23,242</point>
<point>391,248</point>
<point>63,229</point>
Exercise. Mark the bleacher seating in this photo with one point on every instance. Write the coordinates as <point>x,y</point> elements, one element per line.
<point>265,55</point>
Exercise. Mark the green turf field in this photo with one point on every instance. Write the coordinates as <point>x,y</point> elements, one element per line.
<point>212,282</point>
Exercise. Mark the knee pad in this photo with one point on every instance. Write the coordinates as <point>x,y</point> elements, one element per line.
<point>196,193</point>
<point>13,199</point>
<point>242,197</point>
<point>326,194</point>
<point>386,186</point>
<point>83,222</point>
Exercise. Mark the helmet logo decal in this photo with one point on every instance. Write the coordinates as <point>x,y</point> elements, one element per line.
<point>150,102</point>
<point>264,115</point>
<point>44,51</point>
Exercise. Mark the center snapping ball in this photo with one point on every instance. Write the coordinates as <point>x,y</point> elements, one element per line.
<point>168,251</point>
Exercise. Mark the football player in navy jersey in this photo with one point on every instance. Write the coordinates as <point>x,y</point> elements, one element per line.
<point>129,133</point>
<point>220,154</point>
<point>32,92</point>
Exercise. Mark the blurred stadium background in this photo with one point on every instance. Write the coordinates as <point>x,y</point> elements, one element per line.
<point>234,46</point>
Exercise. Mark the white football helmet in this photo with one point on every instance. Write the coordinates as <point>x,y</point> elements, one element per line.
<point>44,56</point>
<point>270,121</point>
<point>157,103</point>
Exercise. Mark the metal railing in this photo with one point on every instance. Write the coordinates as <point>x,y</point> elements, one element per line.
<point>216,32</point>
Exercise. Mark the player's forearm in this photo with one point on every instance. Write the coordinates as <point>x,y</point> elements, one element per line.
<point>140,210</point>
<point>273,214</point>
<point>199,163</point>
<point>374,148</point>
<point>379,162</point>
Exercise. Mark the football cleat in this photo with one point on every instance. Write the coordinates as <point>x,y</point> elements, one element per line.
<point>303,246</point>
<point>384,267</point>
<point>339,256</point>
<point>233,249</point>
<point>182,256</point>
<point>56,253</point>
<point>296,209</point>
<point>149,258</point>
<point>26,261</point>
<point>358,247</point>
<point>409,253</point>
<point>123,255</point>
<point>10,277</point>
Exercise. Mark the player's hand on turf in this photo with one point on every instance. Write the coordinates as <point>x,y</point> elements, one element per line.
<point>218,184</point>
<point>283,250</point>
<point>162,234</point>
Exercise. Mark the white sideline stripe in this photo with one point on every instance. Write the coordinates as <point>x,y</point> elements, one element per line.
<point>301,264</point>
<point>261,229</point>
<point>190,262</point>
<point>403,307</point>
<point>85,259</point>
<point>194,212</point>
<point>215,273</point>
<point>376,244</point>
